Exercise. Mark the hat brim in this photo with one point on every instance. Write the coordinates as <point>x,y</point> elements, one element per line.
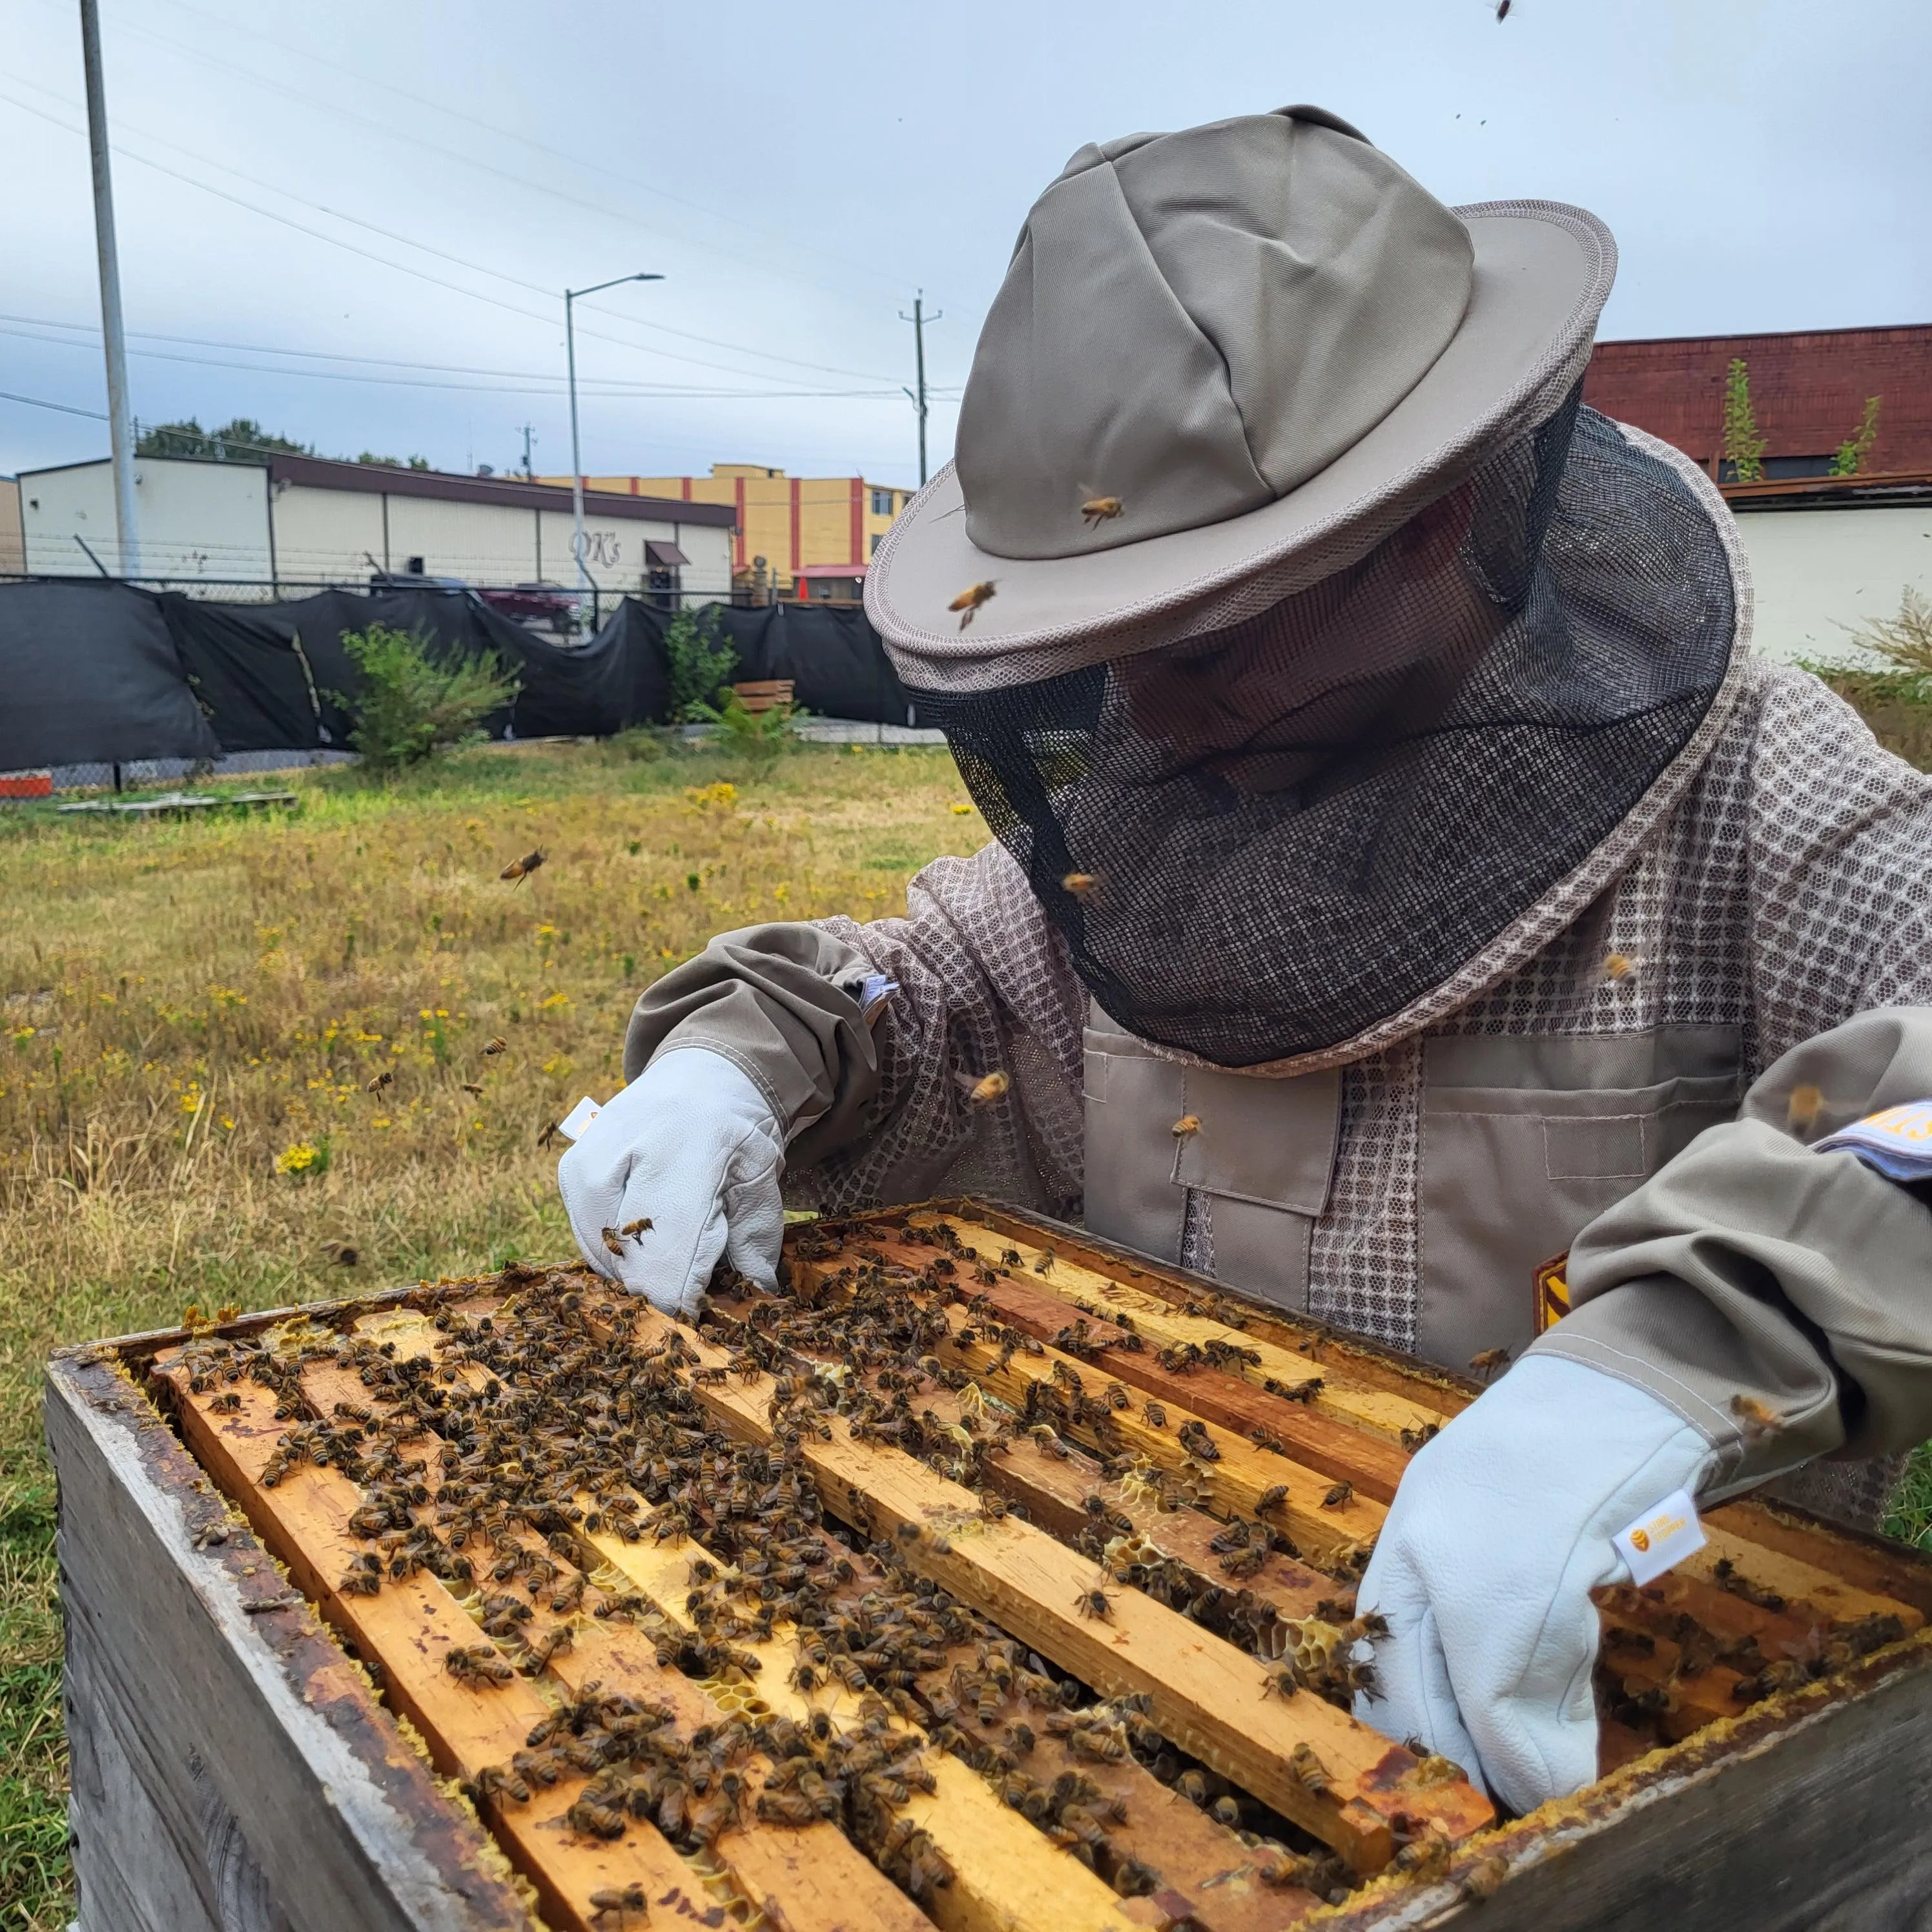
<point>1542,272</point>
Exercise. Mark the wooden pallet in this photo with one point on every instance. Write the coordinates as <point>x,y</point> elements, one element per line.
<point>1218,1569</point>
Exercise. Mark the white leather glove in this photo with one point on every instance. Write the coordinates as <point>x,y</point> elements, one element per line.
<point>691,1148</point>
<point>1499,1531</point>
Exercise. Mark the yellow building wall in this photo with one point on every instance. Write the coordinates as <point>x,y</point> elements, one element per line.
<point>773,508</point>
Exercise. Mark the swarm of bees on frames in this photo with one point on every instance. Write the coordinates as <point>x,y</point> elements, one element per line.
<point>489,1461</point>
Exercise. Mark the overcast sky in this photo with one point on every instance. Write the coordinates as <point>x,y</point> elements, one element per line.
<point>352,221</point>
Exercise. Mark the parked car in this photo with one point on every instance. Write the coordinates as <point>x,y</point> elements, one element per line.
<point>534,604</point>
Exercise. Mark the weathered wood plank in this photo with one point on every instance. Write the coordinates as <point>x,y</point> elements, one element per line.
<point>1343,1395</point>
<point>1885,1569</point>
<point>1033,1585</point>
<point>412,1625</point>
<point>345,1820</point>
<point>811,1878</point>
<point>1336,1449</point>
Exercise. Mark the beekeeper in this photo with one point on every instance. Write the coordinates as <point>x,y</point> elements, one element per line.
<point>1402,874</point>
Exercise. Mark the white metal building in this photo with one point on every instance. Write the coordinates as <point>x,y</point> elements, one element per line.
<point>236,529</point>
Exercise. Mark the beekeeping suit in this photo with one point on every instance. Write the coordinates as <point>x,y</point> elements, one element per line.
<point>1402,875</point>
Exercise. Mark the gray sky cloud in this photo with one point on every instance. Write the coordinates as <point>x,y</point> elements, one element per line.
<point>352,222</point>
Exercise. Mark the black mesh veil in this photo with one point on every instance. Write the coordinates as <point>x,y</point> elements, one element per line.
<point>1259,842</point>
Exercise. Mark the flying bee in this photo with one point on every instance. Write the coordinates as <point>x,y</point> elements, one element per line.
<point>1489,1361</point>
<point>343,1254</point>
<point>497,1045</point>
<point>1045,1264</point>
<point>520,869</point>
<point>1620,966</point>
<point>1339,1496</point>
<point>1801,1114</point>
<point>971,598</point>
<point>984,1090</point>
<point>1096,1603</point>
<point>549,1134</point>
<point>1081,885</point>
<point>1099,510</point>
<point>472,1086</point>
<point>631,1230</point>
<point>1186,1127</point>
<point>380,1082</point>
<point>613,1240</point>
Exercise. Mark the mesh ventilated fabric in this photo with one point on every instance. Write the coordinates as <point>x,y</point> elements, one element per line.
<point>1786,890</point>
<point>1280,834</point>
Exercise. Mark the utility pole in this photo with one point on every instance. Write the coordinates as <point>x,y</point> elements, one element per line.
<point>120,417</point>
<point>570,296</point>
<point>919,319</point>
<point>529,430</point>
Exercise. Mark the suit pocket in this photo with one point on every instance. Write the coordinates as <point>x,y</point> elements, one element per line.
<point>1525,1141</point>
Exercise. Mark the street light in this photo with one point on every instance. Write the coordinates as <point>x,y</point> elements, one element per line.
<point>570,296</point>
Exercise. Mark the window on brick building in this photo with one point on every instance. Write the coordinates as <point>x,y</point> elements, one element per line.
<point>882,502</point>
<point>875,551</point>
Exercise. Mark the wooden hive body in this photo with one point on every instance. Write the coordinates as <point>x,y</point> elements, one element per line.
<point>233,1766</point>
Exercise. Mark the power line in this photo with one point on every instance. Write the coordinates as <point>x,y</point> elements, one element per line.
<point>497,132</point>
<point>404,240</point>
<point>41,403</point>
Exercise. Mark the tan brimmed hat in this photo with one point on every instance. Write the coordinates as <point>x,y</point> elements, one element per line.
<point>1224,364</point>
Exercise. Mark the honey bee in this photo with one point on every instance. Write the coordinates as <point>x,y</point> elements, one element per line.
<point>1488,1361</point>
<point>1619,967</point>
<point>1801,1114</point>
<point>631,1230</point>
<point>472,1086</point>
<point>1096,1602</point>
<point>1755,1418</point>
<point>1081,885</point>
<point>520,869</point>
<point>970,599</point>
<point>1195,1440</point>
<point>1308,1770</point>
<point>494,1781</point>
<point>1339,1496</point>
<point>984,1090</point>
<point>1188,1125</point>
<point>380,1082</point>
<point>625,1903</point>
<point>786,1808</point>
<point>1271,1499</point>
<point>1117,1396</point>
<point>1156,1415</point>
<point>1245,1563</point>
<point>613,1240</point>
<point>1263,1437</point>
<point>498,1045</point>
<point>1413,1439</point>
<point>1484,1878</point>
<point>476,1665</point>
<point>226,1405</point>
<point>549,1134</point>
<point>343,1254</point>
<point>1099,510</point>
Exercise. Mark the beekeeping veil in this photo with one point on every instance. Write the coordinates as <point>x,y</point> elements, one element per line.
<point>1300,634</point>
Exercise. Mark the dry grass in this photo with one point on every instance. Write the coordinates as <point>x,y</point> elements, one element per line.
<point>192,1012</point>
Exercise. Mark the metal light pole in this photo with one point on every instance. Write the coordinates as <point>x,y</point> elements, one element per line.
<point>570,296</point>
<point>120,413</point>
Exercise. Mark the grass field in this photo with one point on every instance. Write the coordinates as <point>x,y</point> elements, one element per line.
<point>190,1015</point>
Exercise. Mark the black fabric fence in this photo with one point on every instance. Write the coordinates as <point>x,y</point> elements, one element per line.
<point>106,671</point>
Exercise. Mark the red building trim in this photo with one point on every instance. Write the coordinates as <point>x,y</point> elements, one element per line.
<point>739,540</point>
<point>686,480</point>
<point>795,558</point>
<point>858,519</point>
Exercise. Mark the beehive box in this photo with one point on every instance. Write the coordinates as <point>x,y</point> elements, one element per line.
<point>988,1577</point>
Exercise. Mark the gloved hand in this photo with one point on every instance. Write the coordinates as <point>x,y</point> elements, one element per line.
<point>690,1146</point>
<point>1499,1531</point>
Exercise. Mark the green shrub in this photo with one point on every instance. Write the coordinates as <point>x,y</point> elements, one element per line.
<point>410,706</point>
<point>760,737</point>
<point>1893,696</point>
<point>701,664</point>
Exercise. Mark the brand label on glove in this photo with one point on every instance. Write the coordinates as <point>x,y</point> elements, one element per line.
<point>1898,1142</point>
<point>572,1125</point>
<point>1661,1537</point>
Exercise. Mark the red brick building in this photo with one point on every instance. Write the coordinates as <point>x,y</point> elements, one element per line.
<point>1807,389</point>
